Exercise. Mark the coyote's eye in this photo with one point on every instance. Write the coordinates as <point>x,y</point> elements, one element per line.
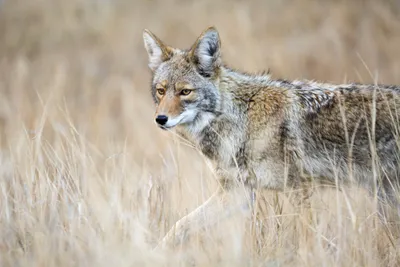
<point>161,91</point>
<point>186,92</point>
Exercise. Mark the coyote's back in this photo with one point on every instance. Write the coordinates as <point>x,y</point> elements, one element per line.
<point>348,132</point>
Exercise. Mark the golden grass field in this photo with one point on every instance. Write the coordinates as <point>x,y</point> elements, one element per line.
<point>87,179</point>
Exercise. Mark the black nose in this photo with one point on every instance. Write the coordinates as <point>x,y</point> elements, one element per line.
<point>161,119</point>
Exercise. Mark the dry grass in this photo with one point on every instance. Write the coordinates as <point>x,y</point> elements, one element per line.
<point>87,179</point>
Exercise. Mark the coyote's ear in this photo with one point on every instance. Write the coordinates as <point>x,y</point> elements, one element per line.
<point>205,53</point>
<point>158,52</point>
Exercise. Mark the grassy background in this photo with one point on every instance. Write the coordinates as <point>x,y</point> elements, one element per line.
<point>87,179</point>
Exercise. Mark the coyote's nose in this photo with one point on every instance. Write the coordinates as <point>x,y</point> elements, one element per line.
<point>161,119</point>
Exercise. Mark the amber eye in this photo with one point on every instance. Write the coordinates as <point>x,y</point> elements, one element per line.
<point>161,91</point>
<point>186,92</point>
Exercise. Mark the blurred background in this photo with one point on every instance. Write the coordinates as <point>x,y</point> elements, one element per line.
<point>87,179</point>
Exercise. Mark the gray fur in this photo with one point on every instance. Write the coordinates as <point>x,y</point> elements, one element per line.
<point>276,134</point>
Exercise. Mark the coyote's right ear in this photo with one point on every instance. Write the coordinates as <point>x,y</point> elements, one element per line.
<point>158,52</point>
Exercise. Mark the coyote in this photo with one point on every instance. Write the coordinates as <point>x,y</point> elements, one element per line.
<point>261,132</point>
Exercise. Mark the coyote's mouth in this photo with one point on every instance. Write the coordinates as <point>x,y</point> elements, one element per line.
<point>185,117</point>
<point>172,123</point>
<point>165,128</point>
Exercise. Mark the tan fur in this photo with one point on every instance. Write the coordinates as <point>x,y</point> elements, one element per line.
<point>169,105</point>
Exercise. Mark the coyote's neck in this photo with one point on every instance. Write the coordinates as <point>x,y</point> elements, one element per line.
<point>226,120</point>
<point>221,133</point>
<point>233,81</point>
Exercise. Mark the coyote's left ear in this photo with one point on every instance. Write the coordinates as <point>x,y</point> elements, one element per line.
<point>158,52</point>
<point>205,53</point>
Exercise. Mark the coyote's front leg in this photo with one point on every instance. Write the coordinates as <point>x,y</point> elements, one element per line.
<point>220,205</point>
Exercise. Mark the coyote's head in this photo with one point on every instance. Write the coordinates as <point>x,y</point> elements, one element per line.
<point>184,81</point>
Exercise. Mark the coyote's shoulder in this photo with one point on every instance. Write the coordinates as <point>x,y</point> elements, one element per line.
<point>265,132</point>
